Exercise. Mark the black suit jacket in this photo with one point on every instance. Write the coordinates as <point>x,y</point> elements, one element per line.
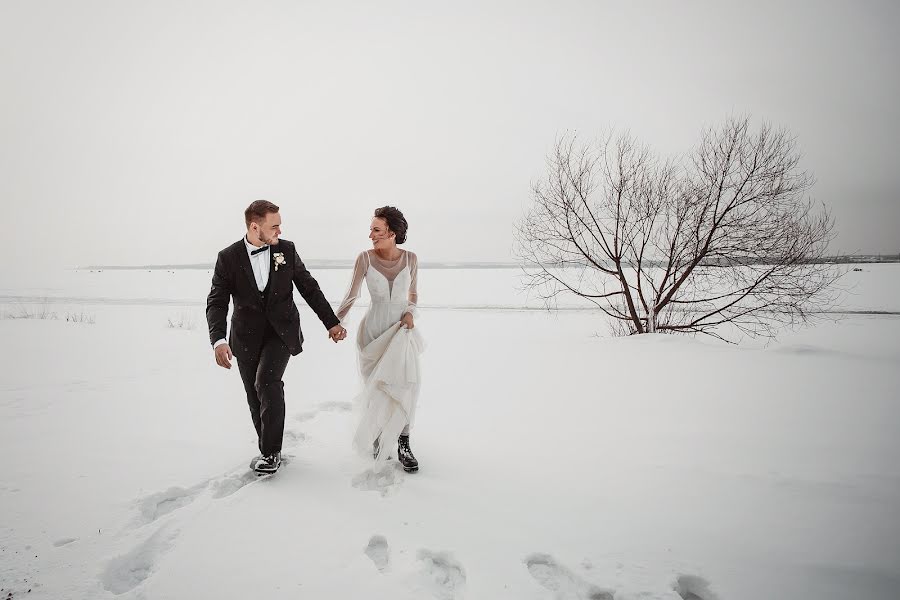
<point>233,279</point>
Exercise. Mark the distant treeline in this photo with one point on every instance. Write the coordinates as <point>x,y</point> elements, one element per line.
<point>737,261</point>
<point>310,264</point>
<point>828,260</point>
<point>348,264</point>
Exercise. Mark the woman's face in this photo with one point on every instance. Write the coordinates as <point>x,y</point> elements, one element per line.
<point>381,235</point>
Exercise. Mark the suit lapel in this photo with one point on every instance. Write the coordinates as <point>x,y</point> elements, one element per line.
<point>244,262</point>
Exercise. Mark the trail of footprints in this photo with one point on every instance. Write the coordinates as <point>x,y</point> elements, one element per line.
<point>567,585</point>
<point>439,572</point>
<point>129,570</point>
<point>445,577</point>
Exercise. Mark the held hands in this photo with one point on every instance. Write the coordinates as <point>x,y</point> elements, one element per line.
<point>407,321</point>
<point>337,333</point>
<point>223,356</point>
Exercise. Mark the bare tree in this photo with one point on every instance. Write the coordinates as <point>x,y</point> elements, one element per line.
<point>723,236</point>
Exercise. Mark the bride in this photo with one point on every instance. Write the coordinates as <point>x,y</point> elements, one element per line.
<point>388,345</point>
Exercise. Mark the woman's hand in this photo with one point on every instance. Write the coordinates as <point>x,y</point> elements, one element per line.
<point>407,321</point>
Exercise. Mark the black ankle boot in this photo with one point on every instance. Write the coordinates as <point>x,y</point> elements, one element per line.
<point>405,455</point>
<point>267,464</point>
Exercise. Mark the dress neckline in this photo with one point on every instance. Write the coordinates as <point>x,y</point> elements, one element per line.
<point>388,261</point>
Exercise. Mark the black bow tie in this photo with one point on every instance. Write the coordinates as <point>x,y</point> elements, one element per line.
<point>258,250</point>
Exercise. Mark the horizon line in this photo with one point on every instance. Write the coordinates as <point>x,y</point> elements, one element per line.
<point>317,264</point>
<point>327,263</point>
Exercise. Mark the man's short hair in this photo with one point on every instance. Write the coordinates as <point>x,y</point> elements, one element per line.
<point>257,211</point>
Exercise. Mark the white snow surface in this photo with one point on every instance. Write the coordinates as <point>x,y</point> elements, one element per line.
<point>557,462</point>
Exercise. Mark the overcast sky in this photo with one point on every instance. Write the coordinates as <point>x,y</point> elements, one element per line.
<point>137,132</point>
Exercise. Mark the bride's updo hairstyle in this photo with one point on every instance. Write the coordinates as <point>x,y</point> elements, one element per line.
<point>396,222</point>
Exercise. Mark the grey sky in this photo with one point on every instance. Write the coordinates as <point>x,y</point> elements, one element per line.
<point>137,132</point>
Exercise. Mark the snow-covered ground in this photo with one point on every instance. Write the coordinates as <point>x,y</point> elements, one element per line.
<point>557,462</point>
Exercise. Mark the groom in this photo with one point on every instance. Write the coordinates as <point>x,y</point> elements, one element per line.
<point>259,273</point>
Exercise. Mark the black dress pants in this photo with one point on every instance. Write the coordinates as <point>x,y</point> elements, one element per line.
<point>265,390</point>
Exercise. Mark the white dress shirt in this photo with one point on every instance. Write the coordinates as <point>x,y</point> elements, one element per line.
<point>261,262</point>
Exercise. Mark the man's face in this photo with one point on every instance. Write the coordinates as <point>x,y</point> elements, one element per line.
<point>268,230</point>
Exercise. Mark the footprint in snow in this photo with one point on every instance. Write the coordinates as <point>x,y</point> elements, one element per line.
<point>385,479</point>
<point>294,437</point>
<point>692,587</point>
<point>442,574</point>
<point>377,550</point>
<point>564,583</point>
<point>229,485</point>
<point>159,504</point>
<point>330,406</point>
<point>127,571</point>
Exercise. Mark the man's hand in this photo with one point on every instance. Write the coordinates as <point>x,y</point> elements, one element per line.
<point>223,356</point>
<point>337,333</point>
<point>407,321</point>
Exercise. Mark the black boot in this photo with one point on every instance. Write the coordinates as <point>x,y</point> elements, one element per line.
<point>405,455</point>
<point>265,465</point>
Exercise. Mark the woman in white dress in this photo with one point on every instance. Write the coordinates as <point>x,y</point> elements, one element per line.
<point>388,343</point>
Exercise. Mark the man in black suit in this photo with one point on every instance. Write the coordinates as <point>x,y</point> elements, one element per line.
<point>259,273</point>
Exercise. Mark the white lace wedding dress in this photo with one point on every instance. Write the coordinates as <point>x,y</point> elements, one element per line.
<point>388,354</point>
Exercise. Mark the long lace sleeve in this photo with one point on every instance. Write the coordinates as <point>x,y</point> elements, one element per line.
<point>413,299</point>
<point>359,273</point>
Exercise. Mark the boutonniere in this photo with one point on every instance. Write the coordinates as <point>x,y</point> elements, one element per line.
<point>279,259</point>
